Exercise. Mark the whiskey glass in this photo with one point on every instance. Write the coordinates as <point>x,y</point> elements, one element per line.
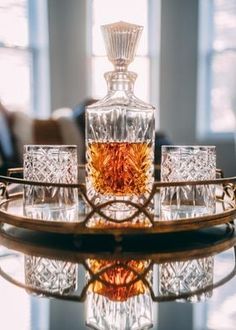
<point>49,275</point>
<point>187,163</point>
<point>51,164</point>
<point>184,277</point>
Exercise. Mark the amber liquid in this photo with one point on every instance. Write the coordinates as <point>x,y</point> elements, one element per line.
<point>118,282</point>
<point>120,168</point>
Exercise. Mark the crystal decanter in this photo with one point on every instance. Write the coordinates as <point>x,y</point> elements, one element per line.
<point>120,130</point>
<point>119,298</point>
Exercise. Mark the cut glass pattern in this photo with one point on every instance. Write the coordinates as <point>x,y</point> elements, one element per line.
<point>118,299</point>
<point>133,314</point>
<point>52,164</point>
<point>185,277</point>
<point>52,276</point>
<point>187,163</point>
<point>116,126</point>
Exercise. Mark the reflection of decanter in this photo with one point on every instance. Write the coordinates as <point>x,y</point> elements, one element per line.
<point>118,280</point>
<point>119,298</point>
<point>120,127</point>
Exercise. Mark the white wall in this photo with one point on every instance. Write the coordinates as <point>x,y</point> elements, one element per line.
<point>178,79</point>
<point>67,46</point>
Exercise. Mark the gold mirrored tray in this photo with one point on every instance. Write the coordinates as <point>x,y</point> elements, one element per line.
<point>12,211</point>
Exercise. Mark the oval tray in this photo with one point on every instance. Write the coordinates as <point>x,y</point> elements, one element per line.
<point>11,212</point>
<point>161,248</point>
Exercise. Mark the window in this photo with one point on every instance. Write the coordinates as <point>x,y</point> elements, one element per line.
<point>137,12</point>
<point>23,55</point>
<point>217,83</point>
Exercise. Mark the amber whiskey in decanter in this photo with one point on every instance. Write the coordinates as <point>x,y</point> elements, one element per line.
<point>120,129</point>
<point>119,280</point>
<point>128,174</point>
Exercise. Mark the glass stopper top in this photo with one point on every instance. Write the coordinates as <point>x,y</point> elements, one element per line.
<point>121,40</point>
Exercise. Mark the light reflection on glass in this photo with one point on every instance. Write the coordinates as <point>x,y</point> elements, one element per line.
<point>119,300</point>
<point>176,278</point>
<point>105,12</point>
<point>52,276</point>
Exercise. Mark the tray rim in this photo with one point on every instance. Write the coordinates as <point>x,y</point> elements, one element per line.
<point>79,228</point>
<point>226,241</point>
<point>81,185</point>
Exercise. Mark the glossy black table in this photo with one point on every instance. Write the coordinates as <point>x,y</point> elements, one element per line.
<point>166,282</point>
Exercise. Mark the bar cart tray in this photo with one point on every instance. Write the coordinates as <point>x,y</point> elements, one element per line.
<point>12,211</point>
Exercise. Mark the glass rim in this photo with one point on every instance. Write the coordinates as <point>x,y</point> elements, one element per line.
<point>69,146</point>
<point>188,147</point>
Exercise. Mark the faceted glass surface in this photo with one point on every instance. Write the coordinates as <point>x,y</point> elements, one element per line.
<point>133,314</point>
<point>119,279</point>
<point>105,12</point>
<point>120,143</point>
<point>187,163</point>
<point>52,164</point>
<point>52,276</point>
<point>119,299</point>
<point>121,41</point>
<point>186,276</point>
<point>120,131</point>
<point>120,168</point>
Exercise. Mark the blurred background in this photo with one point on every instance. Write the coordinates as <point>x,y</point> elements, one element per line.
<point>52,61</point>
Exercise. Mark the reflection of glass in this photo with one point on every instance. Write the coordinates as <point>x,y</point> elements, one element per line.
<point>52,164</point>
<point>52,276</point>
<point>176,278</point>
<point>139,221</point>
<point>187,163</point>
<point>118,298</point>
<point>134,313</point>
<point>120,279</point>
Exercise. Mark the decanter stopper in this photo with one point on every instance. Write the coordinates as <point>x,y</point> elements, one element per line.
<point>121,40</point>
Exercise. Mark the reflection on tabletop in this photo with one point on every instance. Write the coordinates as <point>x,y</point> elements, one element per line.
<point>119,286</point>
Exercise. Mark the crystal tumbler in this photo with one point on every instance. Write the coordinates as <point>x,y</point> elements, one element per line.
<point>187,163</point>
<point>51,164</point>
<point>184,277</point>
<point>49,275</point>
